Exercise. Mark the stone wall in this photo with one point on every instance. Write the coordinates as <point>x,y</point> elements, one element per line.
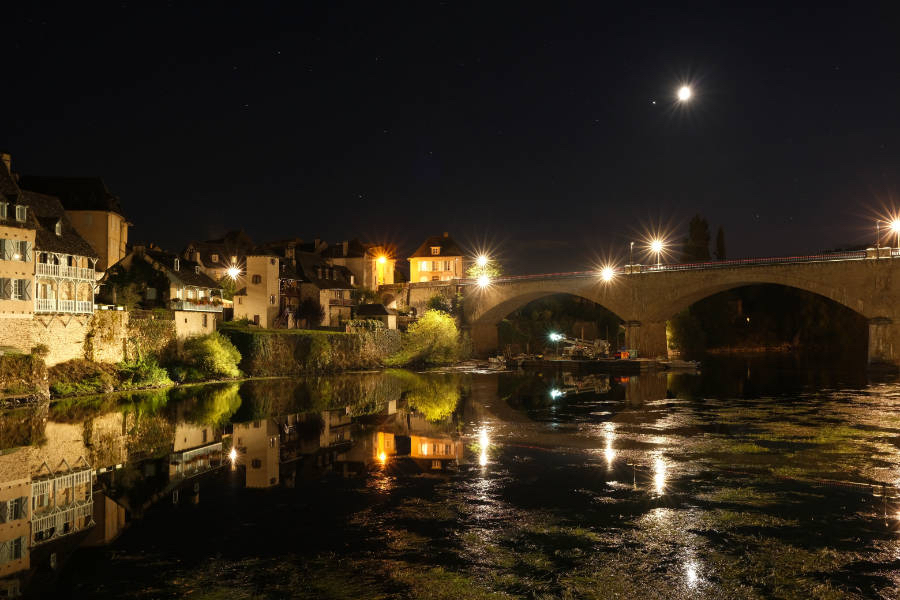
<point>16,332</point>
<point>105,341</point>
<point>192,323</point>
<point>64,335</point>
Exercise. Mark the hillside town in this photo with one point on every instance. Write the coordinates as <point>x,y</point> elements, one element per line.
<point>66,256</point>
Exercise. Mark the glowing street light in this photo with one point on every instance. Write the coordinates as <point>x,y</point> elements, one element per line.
<point>555,393</point>
<point>481,261</point>
<point>232,456</point>
<point>483,281</point>
<point>657,246</point>
<point>607,274</point>
<point>555,337</point>
<point>233,272</point>
<point>684,93</point>
<point>382,259</point>
<point>895,227</point>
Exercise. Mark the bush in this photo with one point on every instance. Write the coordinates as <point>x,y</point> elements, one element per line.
<point>142,373</point>
<point>432,340</point>
<point>439,302</point>
<point>41,350</point>
<point>212,355</point>
<point>79,376</point>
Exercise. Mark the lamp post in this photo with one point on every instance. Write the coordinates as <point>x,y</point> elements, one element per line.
<point>631,257</point>
<point>657,247</point>
<point>895,227</point>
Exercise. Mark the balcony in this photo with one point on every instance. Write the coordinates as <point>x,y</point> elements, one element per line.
<point>64,272</point>
<point>179,304</point>
<point>74,307</point>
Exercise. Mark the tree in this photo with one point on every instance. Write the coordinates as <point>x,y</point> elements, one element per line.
<point>439,302</point>
<point>720,244</point>
<point>433,339</point>
<point>228,287</point>
<point>212,355</point>
<point>696,246</point>
<point>311,312</point>
<point>490,268</point>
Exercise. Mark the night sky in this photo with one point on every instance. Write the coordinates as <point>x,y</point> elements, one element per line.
<point>549,134</point>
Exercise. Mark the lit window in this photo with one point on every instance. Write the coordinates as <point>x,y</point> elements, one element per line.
<point>233,259</point>
<point>215,258</point>
<point>435,250</point>
<point>20,213</point>
<point>18,289</point>
<point>425,265</point>
<point>58,227</point>
<point>272,300</point>
<point>3,209</point>
<point>197,269</point>
<point>177,264</point>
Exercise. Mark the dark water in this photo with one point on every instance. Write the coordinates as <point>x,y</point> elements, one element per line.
<point>754,479</point>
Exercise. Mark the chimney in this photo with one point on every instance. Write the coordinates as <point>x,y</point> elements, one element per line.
<point>346,244</point>
<point>6,158</point>
<point>446,235</point>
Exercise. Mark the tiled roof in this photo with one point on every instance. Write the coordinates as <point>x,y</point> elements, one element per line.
<point>355,249</point>
<point>76,193</point>
<point>48,210</point>
<point>308,264</point>
<point>444,242</point>
<point>187,271</point>
<point>234,243</point>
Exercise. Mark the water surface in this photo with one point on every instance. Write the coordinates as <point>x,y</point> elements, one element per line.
<point>752,479</point>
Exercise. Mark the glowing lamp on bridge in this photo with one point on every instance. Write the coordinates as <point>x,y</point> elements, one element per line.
<point>233,272</point>
<point>657,246</point>
<point>555,393</point>
<point>684,93</point>
<point>483,281</point>
<point>481,261</point>
<point>607,274</point>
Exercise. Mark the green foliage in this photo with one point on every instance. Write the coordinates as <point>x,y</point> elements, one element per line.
<point>439,302</point>
<point>432,340</point>
<point>229,287</point>
<point>212,355</point>
<point>491,269</point>
<point>79,377</point>
<point>142,373</point>
<point>214,405</point>
<point>21,374</point>
<point>40,351</point>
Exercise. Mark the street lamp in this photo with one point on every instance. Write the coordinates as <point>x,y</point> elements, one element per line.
<point>684,93</point>
<point>481,261</point>
<point>607,273</point>
<point>382,259</point>
<point>233,272</point>
<point>657,246</point>
<point>483,280</point>
<point>895,227</point>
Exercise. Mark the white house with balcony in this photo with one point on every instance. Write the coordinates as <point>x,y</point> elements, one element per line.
<point>64,263</point>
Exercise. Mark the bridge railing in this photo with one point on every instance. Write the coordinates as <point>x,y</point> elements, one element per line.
<point>698,266</point>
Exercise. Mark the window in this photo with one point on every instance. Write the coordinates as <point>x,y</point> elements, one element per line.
<point>197,269</point>
<point>3,209</point>
<point>240,300</point>
<point>435,250</point>
<point>215,257</point>
<point>271,261</point>
<point>233,259</point>
<point>353,280</point>
<point>58,227</point>
<point>448,265</point>
<point>256,463</point>
<point>425,265</point>
<point>435,278</point>
<point>20,213</point>
<point>271,442</point>
<point>12,510</point>
<point>18,289</point>
<point>204,326</point>
<point>272,300</point>
<point>257,279</point>
<point>177,264</point>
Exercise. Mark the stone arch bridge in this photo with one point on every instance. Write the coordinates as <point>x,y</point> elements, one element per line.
<point>867,282</point>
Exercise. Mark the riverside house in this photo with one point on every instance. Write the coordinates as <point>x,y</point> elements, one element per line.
<point>439,258</point>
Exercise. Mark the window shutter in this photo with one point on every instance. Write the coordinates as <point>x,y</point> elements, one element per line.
<point>26,290</point>
<point>4,250</point>
<point>5,288</point>
<point>29,248</point>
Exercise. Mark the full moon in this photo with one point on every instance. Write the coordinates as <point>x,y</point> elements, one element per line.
<point>684,93</point>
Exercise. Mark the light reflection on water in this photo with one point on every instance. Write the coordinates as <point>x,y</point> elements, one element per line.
<point>729,486</point>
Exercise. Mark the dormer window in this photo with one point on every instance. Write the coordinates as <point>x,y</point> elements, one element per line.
<point>435,250</point>
<point>215,258</point>
<point>58,228</point>
<point>177,265</point>
<point>197,269</point>
<point>20,213</point>
<point>233,259</point>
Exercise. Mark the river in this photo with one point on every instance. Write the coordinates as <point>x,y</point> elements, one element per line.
<point>756,478</point>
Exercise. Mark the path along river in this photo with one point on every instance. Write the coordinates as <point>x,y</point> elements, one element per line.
<point>754,479</point>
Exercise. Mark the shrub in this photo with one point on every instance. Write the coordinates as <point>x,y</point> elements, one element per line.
<point>212,355</point>
<point>439,302</point>
<point>142,373</point>
<point>433,339</point>
<point>41,350</point>
<point>79,376</point>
